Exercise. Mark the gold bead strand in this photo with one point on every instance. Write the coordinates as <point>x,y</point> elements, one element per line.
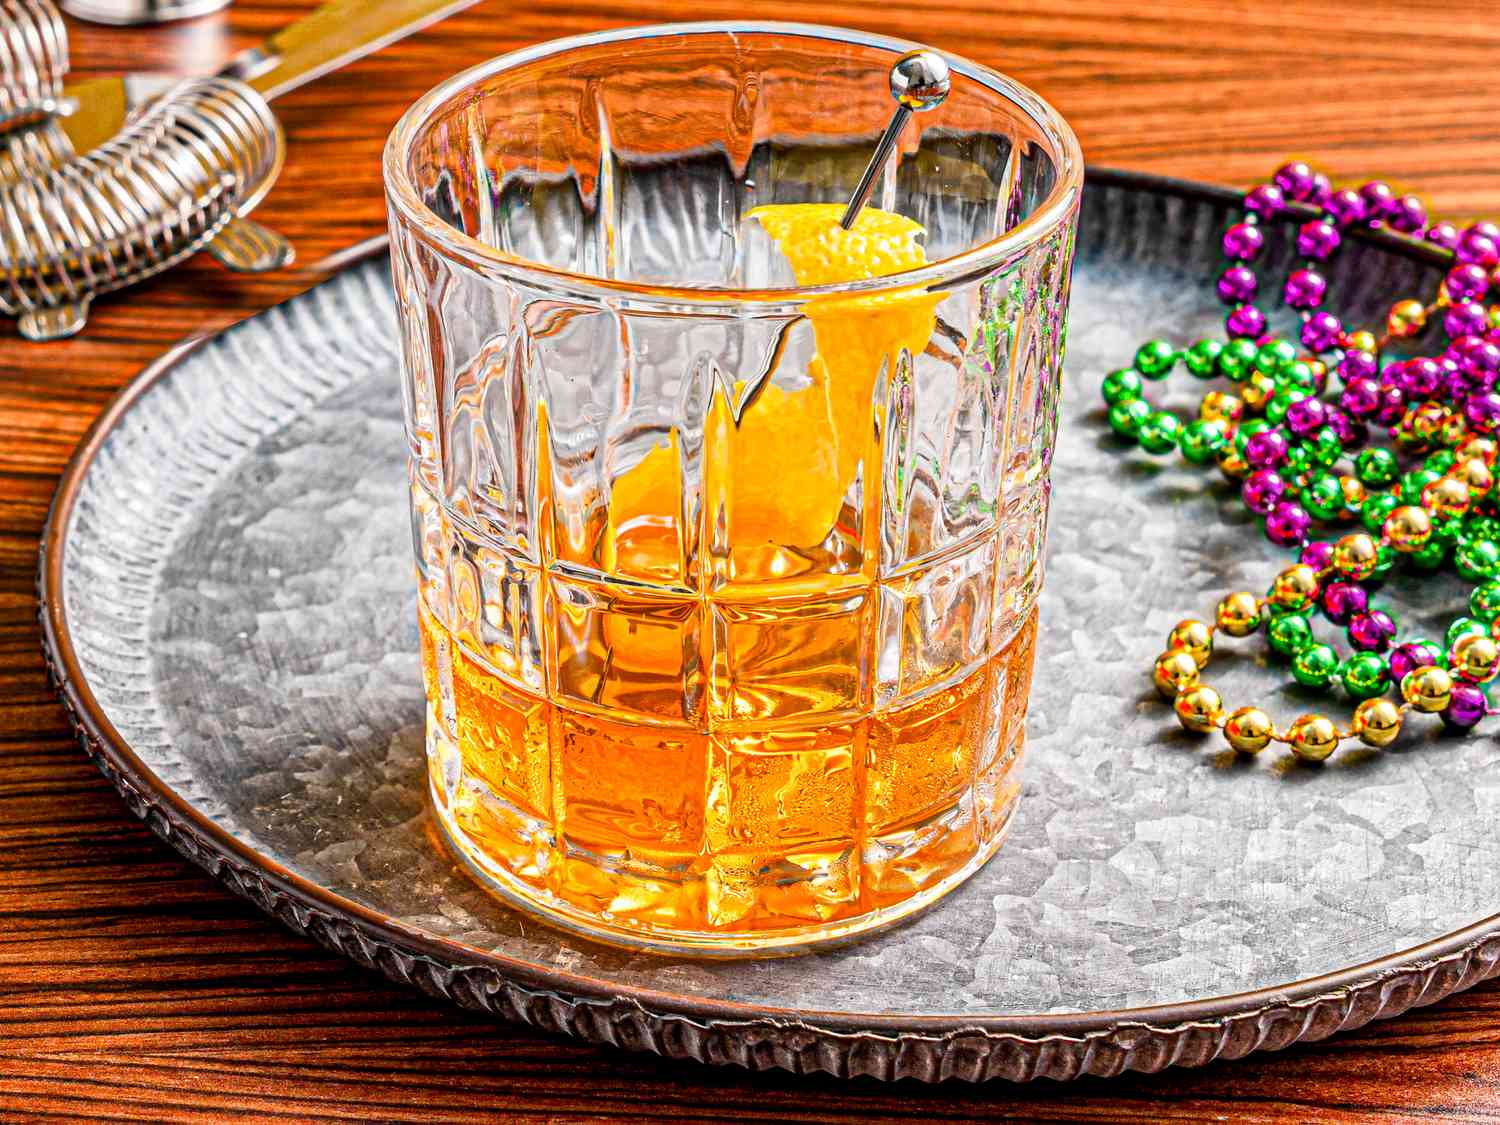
<point>1311,737</point>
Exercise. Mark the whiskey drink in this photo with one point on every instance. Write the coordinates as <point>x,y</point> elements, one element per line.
<point>728,522</point>
<point>737,828</point>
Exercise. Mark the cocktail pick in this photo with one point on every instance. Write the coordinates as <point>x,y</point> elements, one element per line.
<point>919,82</point>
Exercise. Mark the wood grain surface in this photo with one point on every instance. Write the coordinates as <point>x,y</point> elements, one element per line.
<point>134,987</point>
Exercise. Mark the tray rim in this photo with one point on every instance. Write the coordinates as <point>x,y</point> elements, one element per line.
<point>928,1047</point>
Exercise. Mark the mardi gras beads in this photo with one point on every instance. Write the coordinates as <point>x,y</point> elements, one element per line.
<point>1453,693</point>
<point>1301,458</point>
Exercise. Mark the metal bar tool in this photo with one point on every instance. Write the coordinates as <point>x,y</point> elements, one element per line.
<point>117,179</point>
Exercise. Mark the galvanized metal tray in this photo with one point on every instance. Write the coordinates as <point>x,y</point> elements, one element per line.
<point>228,609</point>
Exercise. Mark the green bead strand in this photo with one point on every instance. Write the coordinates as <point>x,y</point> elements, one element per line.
<point>1412,485</point>
<point>1121,386</point>
<point>1385,563</point>
<point>1484,600</point>
<point>1325,447</point>
<point>1448,529</point>
<point>1430,557</point>
<point>1298,462</point>
<point>1202,358</point>
<point>1376,468</point>
<point>1274,356</point>
<point>1126,418</point>
<point>1440,462</point>
<point>1477,559</point>
<point>1300,375</point>
<point>1323,496</point>
<point>1155,359</point>
<point>1365,675</point>
<point>1482,527</point>
<point>1376,509</point>
<point>1289,633</point>
<point>1462,627</point>
<point>1237,360</point>
<point>1201,440</point>
<point>1158,433</point>
<point>1315,666</point>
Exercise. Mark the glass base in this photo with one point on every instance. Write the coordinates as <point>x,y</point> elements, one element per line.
<point>704,943</point>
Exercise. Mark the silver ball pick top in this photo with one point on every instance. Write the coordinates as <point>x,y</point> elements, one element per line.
<point>919,82</point>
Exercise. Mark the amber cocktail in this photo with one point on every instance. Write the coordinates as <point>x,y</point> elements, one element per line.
<point>728,521</point>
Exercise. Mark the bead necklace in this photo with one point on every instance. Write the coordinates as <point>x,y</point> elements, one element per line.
<point>1284,442</point>
<point>1376,721</point>
<point>1287,457</point>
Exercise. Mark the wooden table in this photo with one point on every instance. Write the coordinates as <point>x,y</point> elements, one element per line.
<point>135,986</point>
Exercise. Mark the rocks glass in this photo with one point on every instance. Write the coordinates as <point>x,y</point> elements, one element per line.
<point>727,587</point>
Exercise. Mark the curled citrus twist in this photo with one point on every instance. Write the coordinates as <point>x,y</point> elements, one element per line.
<point>782,472</point>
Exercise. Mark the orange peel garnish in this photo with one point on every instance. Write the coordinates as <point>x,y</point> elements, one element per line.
<point>783,472</point>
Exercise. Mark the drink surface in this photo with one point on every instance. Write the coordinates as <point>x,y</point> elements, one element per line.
<point>763,733</point>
